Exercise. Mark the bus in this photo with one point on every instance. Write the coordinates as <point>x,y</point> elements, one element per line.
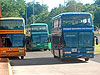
<point>39,37</point>
<point>72,36</point>
<point>12,37</point>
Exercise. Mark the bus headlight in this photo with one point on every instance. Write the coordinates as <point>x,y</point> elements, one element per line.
<point>90,51</point>
<point>67,52</point>
<point>21,50</point>
<point>3,51</point>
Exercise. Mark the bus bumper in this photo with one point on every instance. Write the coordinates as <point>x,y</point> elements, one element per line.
<point>11,54</point>
<point>67,56</point>
<point>40,46</point>
<point>14,51</point>
<point>78,53</point>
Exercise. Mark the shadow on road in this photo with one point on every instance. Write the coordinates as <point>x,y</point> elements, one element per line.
<point>33,51</point>
<point>43,61</point>
<point>36,50</point>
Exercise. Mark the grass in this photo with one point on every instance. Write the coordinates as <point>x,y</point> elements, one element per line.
<point>97,49</point>
<point>96,32</point>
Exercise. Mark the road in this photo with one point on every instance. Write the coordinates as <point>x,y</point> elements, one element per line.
<point>43,63</point>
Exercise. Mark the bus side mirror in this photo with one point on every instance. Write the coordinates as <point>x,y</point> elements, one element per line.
<point>96,41</point>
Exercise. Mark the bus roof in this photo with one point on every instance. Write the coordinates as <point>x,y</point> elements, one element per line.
<point>38,24</point>
<point>71,13</point>
<point>11,18</point>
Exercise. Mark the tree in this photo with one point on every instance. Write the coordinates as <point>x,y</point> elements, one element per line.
<point>39,10</point>
<point>55,11</point>
<point>42,17</point>
<point>97,2</point>
<point>97,19</point>
<point>13,8</point>
<point>73,6</point>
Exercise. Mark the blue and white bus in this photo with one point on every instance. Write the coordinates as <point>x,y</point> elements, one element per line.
<point>73,35</point>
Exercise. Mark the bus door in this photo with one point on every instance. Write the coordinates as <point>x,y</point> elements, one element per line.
<point>55,44</point>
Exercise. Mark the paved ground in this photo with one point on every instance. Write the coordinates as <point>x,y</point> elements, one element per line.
<point>4,67</point>
<point>43,63</point>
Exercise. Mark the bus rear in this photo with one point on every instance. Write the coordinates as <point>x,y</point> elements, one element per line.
<point>12,37</point>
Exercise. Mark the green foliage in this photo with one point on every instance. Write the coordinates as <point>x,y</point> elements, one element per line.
<point>97,13</point>
<point>17,8</point>
<point>39,11</point>
<point>73,6</point>
<point>97,2</point>
<point>13,8</point>
<point>55,11</point>
<point>30,19</point>
<point>42,17</point>
<point>97,18</point>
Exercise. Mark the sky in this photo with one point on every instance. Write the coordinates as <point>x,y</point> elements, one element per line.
<point>55,3</point>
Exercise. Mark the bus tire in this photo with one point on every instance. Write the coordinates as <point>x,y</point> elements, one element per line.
<point>45,49</point>
<point>59,54</point>
<point>22,57</point>
<point>54,54</point>
<point>86,59</point>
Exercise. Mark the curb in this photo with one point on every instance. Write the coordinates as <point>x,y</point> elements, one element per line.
<point>9,67</point>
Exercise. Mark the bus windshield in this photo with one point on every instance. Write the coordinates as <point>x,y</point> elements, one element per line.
<point>39,28</point>
<point>11,24</point>
<point>12,40</point>
<point>40,38</point>
<point>85,39</point>
<point>18,40</point>
<point>44,38</point>
<point>77,20</point>
<point>71,39</point>
<point>78,39</point>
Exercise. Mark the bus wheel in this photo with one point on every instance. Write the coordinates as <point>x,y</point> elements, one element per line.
<point>86,59</point>
<point>54,54</point>
<point>22,57</point>
<point>45,49</point>
<point>59,54</point>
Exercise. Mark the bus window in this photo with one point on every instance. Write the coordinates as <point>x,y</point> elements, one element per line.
<point>12,40</point>
<point>11,24</point>
<point>39,28</point>
<point>74,20</point>
<point>6,41</point>
<point>59,23</point>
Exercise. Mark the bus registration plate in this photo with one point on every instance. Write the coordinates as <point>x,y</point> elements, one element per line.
<point>74,50</point>
<point>38,44</point>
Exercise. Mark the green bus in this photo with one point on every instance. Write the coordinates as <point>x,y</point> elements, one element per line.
<point>39,37</point>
